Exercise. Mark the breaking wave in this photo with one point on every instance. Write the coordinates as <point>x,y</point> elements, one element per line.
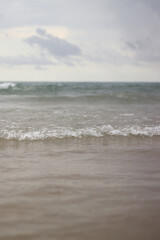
<point>7,85</point>
<point>61,133</point>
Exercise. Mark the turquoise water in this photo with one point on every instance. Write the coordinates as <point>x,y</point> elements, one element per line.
<point>133,92</point>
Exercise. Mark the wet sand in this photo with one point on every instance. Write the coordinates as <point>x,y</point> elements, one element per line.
<point>92,188</point>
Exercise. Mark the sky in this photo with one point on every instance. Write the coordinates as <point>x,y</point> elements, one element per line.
<point>73,40</point>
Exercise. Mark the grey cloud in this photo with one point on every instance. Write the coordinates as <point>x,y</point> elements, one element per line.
<point>154,4</point>
<point>138,21</point>
<point>73,14</point>
<point>145,50</point>
<point>41,31</point>
<point>131,45</point>
<point>113,57</point>
<point>62,51</point>
<point>138,45</point>
<point>23,60</point>
<point>59,48</point>
<point>37,62</point>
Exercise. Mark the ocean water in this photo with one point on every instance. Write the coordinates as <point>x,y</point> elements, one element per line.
<point>79,161</point>
<point>45,111</point>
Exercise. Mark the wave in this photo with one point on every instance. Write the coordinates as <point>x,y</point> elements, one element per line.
<point>7,85</point>
<point>61,133</point>
<point>121,93</point>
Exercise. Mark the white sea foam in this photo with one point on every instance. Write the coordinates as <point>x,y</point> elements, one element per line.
<point>60,133</point>
<point>6,85</point>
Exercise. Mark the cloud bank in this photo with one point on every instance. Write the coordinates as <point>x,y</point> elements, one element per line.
<point>102,36</point>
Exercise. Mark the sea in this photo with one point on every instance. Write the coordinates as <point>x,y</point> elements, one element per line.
<point>79,160</point>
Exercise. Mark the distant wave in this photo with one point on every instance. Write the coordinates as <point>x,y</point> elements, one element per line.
<point>122,93</point>
<point>7,85</point>
<point>60,133</point>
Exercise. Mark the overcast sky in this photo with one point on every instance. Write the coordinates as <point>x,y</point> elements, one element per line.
<point>73,40</point>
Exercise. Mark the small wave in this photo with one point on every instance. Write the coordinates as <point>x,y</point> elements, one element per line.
<point>7,85</point>
<point>60,133</point>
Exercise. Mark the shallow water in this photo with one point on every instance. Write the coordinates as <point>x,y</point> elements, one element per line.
<point>90,188</point>
<point>79,161</point>
<point>43,111</point>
